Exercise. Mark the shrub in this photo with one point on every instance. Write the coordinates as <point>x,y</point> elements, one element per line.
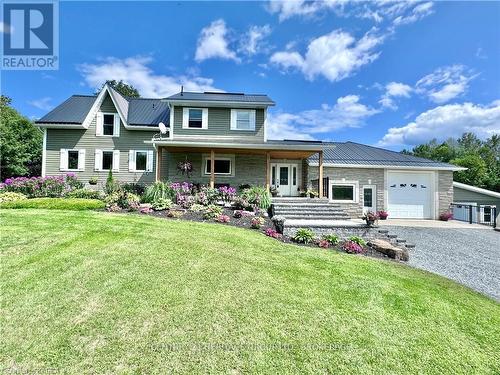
<point>111,186</point>
<point>197,207</point>
<point>161,204</point>
<point>257,196</point>
<point>325,244</point>
<point>56,204</point>
<point>134,188</point>
<point>185,201</point>
<point>257,222</point>
<point>36,187</point>
<point>304,235</point>
<point>445,216</point>
<point>239,214</point>
<point>207,196</point>
<point>358,240</point>
<point>240,203</point>
<point>158,190</point>
<point>84,194</point>
<point>332,239</point>
<point>73,182</point>
<point>10,196</point>
<point>223,219</point>
<point>212,212</point>
<point>352,247</point>
<point>270,232</point>
<point>123,199</point>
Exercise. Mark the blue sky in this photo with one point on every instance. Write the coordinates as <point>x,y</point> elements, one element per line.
<point>392,74</point>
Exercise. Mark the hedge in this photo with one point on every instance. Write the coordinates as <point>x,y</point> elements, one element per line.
<point>56,204</point>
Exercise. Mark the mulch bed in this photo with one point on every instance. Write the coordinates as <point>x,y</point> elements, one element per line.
<point>245,222</point>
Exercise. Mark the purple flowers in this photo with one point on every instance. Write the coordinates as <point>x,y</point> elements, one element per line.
<point>182,187</point>
<point>352,247</point>
<point>227,193</point>
<point>33,187</point>
<point>270,232</point>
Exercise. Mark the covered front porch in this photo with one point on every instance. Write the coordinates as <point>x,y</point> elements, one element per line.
<point>277,164</point>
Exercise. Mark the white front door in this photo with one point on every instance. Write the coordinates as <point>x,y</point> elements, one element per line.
<point>284,177</point>
<point>369,198</point>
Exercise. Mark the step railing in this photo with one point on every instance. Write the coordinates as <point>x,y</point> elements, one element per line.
<point>326,182</point>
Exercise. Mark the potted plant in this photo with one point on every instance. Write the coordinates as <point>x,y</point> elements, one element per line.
<point>445,216</point>
<point>185,167</point>
<point>370,218</point>
<point>382,215</point>
<point>93,180</point>
<point>274,191</point>
<point>311,193</point>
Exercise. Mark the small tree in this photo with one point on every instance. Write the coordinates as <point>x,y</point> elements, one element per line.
<point>123,88</point>
<point>111,185</point>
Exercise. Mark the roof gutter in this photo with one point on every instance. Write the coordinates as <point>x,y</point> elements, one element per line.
<point>243,146</point>
<point>379,166</point>
<point>218,103</point>
<point>47,125</point>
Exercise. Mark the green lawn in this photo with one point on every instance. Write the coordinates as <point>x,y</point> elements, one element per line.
<point>93,292</point>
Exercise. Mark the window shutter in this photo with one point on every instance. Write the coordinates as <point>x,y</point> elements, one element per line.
<point>116,161</point>
<point>149,161</point>
<point>131,161</point>
<point>185,117</point>
<point>63,159</point>
<point>116,126</point>
<point>81,160</point>
<point>252,119</point>
<point>99,123</point>
<point>98,160</point>
<point>233,119</point>
<point>204,119</point>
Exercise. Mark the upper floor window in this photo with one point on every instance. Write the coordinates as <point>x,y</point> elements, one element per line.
<point>108,124</point>
<point>195,118</point>
<point>243,119</point>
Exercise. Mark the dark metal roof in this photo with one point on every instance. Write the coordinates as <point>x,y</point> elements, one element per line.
<point>72,111</point>
<point>148,112</point>
<point>351,153</point>
<point>222,97</point>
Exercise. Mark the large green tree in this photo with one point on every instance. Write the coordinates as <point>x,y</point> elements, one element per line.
<point>123,88</point>
<point>20,143</point>
<point>482,158</point>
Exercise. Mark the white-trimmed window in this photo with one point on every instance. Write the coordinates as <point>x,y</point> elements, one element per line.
<point>223,166</point>
<point>108,124</point>
<point>344,191</point>
<point>243,119</point>
<point>106,160</point>
<point>72,160</point>
<point>140,160</point>
<point>195,118</point>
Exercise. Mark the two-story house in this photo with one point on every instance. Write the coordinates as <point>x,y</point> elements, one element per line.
<point>224,137</point>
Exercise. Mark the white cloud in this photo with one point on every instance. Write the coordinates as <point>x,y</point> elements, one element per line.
<point>418,12</point>
<point>288,9</point>
<point>213,43</point>
<point>446,121</point>
<point>42,103</point>
<point>445,83</point>
<point>394,89</point>
<point>347,112</point>
<point>335,55</point>
<point>252,41</point>
<point>135,71</point>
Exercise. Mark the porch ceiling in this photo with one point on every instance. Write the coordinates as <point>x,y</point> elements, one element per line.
<point>273,153</point>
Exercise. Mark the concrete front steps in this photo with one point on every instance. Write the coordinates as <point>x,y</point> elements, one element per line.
<point>307,209</point>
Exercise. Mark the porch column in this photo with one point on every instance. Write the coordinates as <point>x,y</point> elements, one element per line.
<point>212,169</point>
<point>320,176</point>
<point>158,163</point>
<point>268,161</point>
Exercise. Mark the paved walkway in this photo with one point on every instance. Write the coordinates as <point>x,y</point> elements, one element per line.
<point>468,255</point>
<point>431,224</point>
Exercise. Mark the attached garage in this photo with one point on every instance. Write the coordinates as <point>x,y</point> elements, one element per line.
<point>410,194</point>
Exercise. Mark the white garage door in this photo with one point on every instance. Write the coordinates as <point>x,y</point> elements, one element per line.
<point>409,195</point>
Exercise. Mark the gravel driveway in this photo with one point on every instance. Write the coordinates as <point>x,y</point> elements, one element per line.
<point>468,256</point>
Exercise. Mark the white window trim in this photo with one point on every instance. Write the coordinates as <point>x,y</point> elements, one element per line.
<point>374,197</point>
<point>354,184</point>
<point>114,168</point>
<point>185,118</point>
<point>100,124</point>
<point>206,160</point>
<point>133,160</point>
<point>64,160</point>
<point>234,122</point>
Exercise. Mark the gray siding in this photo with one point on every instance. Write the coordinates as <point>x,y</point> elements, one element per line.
<point>364,176</point>
<point>248,169</point>
<point>219,124</point>
<point>462,195</point>
<point>86,139</point>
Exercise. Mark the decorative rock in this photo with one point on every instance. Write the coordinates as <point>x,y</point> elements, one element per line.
<point>392,235</point>
<point>400,240</point>
<point>388,249</point>
<point>383,231</point>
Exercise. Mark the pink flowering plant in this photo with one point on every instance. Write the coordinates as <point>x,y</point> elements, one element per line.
<point>257,222</point>
<point>223,219</point>
<point>227,193</point>
<point>270,232</point>
<point>352,247</point>
<point>325,244</point>
<point>35,187</point>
